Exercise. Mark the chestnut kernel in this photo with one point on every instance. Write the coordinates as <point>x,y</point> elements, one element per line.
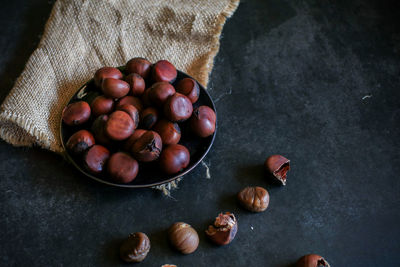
<point>312,260</point>
<point>178,108</point>
<point>76,113</point>
<point>131,100</point>
<point>106,72</point>
<point>137,83</point>
<point>254,198</point>
<point>132,112</point>
<point>169,131</point>
<point>189,88</point>
<point>148,147</point>
<point>95,158</point>
<point>132,139</point>
<point>203,121</point>
<point>183,237</point>
<point>101,105</point>
<point>119,125</point>
<point>140,66</point>
<point>80,141</point>
<point>164,71</point>
<point>174,158</point>
<point>98,130</point>
<point>277,166</point>
<point>135,248</point>
<point>115,88</point>
<point>224,229</point>
<point>122,167</point>
<point>159,93</point>
<point>148,117</point>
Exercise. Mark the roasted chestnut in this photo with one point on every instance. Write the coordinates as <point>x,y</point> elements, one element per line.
<point>254,198</point>
<point>169,131</point>
<point>122,168</point>
<point>115,88</point>
<point>132,112</point>
<point>277,166</point>
<point>98,130</point>
<point>189,88</point>
<point>76,113</point>
<point>80,141</point>
<point>101,105</point>
<point>95,158</point>
<point>174,158</point>
<point>136,83</point>
<point>132,139</point>
<point>159,92</point>
<point>203,121</point>
<point>140,66</point>
<point>183,237</point>
<point>178,108</point>
<point>224,229</point>
<point>148,147</point>
<point>312,260</point>
<point>164,71</point>
<point>148,117</point>
<point>119,125</point>
<point>131,100</point>
<point>135,248</point>
<point>106,72</point>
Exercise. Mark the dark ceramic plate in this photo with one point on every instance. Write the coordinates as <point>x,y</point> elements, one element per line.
<point>149,173</point>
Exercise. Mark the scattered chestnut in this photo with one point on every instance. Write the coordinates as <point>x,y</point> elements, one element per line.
<point>135,248</point>
<point>148,147</point>
<point>131,100</point>
<point>122,167</point>
<point>203,121</point>
<point>115,88</point>
<point>178,108</point>
<point>148,117</point>
<point>101,105</point>
<point>169,131</point>
<point>95,158</point>
<point>136,83</point>
<point>132,112</point>
<point>189,88</point>
<point>76,113</point>
<point>80,141</point>
<point>106,72</point>
<point>132,139</point>
<point>254,198</point>
<point>140,66</point>
<point>164,71</point>
<point>159,92</point>
<point>277,166</point>
<point>183,237</point>
<point>98,130</point>
<point>312,260</point>
<point>174,158</point>
<point>224,229</point>
<point>119,125</point>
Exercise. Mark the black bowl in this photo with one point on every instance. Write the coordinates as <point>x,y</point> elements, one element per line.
<point>149,174</point>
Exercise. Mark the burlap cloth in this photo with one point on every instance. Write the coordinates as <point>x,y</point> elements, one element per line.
<point>84,35</point>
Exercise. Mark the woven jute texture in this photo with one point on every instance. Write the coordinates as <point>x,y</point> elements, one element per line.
<point>83,35</point>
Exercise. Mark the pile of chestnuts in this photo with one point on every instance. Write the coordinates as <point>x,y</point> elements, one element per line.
<point>136,118</point>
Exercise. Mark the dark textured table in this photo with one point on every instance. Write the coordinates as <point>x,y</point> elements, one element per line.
<point>317,81</point>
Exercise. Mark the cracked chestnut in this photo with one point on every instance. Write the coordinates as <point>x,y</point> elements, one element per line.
<point>224,229</point>
<point>174,158</point>
<point>106,72</point>
<point>135,248</point>
<point>95,158</point>
<point>277,166</point>
<point>312,260</point>
<point>101,105</point>
<point>254,198</point>
<point>76,113</point>
<point>119,125</point>
<point>114,88</point>
<point>137,83</point>
<point>80,141</point>
<point>183,237</point>
<point>148,147</point>
<point>130,100</point>
<point>132,112</point>
<point>202,122</point>
<point>169,131</point>
<point>189,88</point>
<point>122,168</point>
<point>132,139</point>
<point>164,71</point>
<point>140,66</point>
<point>178,108</point>
<point>159,93</point>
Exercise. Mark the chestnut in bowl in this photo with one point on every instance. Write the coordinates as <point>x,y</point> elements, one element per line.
<point>106,72</point>
<point>159,93</point>
<point>76,113</point>
<point>178,108</point>
<point>203,121</point>
<point>122,168</point>
<point>119,125</point>
<point>80,141</point>
<point>140,66</point>
<point>148,147</point>
<point>189,88</point>
<point>164,71</point>
<point>114,88</point>
<point>174,158</point>
<point>170,132</point>
<point>137,84</point>
<point>101,105</point>
<point>95,158</point>
<point>148,117</point>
